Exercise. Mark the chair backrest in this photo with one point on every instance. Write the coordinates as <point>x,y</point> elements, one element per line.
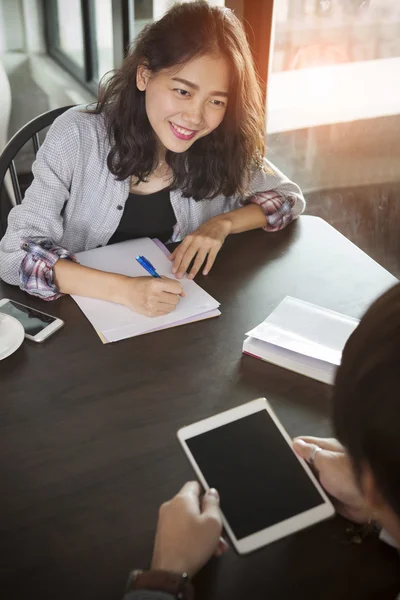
<point>5,112</point>
<point>29,131</point>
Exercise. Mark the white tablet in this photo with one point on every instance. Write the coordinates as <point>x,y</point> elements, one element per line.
<point>266,490</point>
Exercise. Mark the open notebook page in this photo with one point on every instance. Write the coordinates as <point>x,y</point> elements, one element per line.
<point>115,321</point>
<point>307,329</point>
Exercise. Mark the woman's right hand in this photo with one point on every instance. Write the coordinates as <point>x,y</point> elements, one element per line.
<point>151,296</point>
<point>335,474</point>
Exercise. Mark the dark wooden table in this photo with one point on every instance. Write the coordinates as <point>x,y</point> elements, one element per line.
<point>88,445</point>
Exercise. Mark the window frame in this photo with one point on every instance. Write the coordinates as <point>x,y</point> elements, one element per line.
<point>122,13</point>
<point>257,17</point>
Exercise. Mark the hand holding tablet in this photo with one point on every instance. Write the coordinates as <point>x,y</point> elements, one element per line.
<point>266,490</point>
<point>336,475</point>
<point>185,518</point>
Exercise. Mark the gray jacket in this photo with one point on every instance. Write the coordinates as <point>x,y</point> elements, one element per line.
<point>77,203</point>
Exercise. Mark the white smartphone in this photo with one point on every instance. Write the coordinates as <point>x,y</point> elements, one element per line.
<point>266,490</point>
<point>38,325</point>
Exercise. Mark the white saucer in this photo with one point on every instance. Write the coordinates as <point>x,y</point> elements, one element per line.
<point>11,335</point>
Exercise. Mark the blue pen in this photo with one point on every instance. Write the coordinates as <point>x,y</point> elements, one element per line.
<point>146,264</point>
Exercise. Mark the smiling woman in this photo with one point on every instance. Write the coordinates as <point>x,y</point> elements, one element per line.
<point>190,111</point>
<point>206,47</point>
<point>174,148</point>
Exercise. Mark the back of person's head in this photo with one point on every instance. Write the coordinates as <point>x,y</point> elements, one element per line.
<point>367,396</point>
<point>218,163</point>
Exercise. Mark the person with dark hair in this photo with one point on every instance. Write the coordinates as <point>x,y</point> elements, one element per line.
<point>361,474</point>
<point>173,149</point>
<point>361,470</point>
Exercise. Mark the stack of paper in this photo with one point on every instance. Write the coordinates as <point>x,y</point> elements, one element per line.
<point>116,322</point>
<point>302,337</point>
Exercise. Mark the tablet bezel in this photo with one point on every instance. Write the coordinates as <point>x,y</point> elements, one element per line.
<point>278,530</point>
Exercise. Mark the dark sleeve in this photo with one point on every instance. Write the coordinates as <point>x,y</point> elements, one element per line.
<point>148,595</point>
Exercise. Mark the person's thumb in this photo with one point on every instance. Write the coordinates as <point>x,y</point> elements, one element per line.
<point>210,504</point>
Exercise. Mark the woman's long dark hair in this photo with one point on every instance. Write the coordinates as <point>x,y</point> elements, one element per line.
<point>218,163</point>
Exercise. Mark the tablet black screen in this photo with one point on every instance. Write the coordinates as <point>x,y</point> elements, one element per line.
<point>259,480</point>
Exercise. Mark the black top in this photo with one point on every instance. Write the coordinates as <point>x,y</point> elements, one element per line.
<point>146,216</point>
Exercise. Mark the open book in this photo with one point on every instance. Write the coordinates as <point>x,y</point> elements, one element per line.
<point>115,322</point>
<point>302,337</point>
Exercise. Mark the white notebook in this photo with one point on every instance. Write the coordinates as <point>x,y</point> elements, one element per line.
<point>302,337</point>
<point>115,322</point>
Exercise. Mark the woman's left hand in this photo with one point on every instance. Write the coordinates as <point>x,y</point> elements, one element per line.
<point>204,244</point>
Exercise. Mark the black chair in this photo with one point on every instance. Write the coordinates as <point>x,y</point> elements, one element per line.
<point>29,131</point>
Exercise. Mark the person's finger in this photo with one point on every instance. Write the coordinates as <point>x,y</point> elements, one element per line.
<point>200,258</point>
<point>178,250</point>
<point>324,443</point>
<point>171,286</point>
<point>210,505</point>
<point>307,451</point>
<point>162,309</point>
<point>210,260</point>
<point>189,496</point>
<point>179,253</point>
<point>191,488</point>
<point>168,298</point>
<point>222,547</point>
<point>159,312</point>
<point>177,257</point>
<point>187,259</point>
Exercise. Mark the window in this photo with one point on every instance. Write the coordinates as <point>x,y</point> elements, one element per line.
<point>87,37</point>
<point>70,30</point>
<point>90,37</point>
<point>103,37</point>
<point>334,89</point>
<point>147,11</point>
<point>333,112</point>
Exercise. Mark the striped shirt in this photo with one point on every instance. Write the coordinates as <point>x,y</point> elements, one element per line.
<point>75,203</point>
